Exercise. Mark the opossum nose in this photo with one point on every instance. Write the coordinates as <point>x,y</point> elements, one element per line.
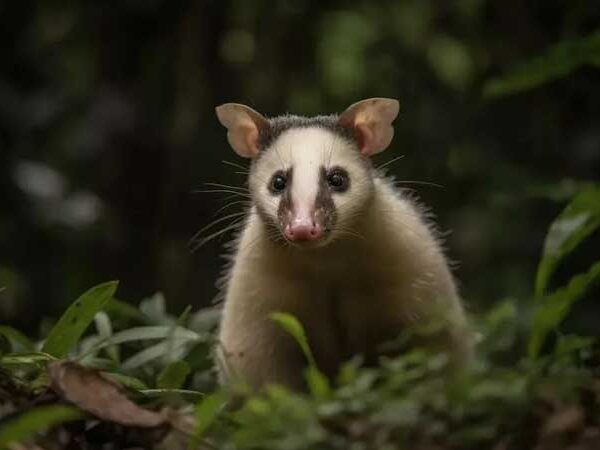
<point>303,229</point>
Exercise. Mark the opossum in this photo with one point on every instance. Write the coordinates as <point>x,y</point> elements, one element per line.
<point>330,240</point>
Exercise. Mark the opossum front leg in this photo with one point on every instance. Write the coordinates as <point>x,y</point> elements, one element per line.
<point>252,347</point>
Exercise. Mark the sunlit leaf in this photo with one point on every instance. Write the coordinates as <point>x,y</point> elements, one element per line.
<point>73,323</point>
<point>318,383</point>
<point>295,329</point>
<point>557,62</point>
<point>554,308</point>
<point>36,420</point>
<point>577,221</point>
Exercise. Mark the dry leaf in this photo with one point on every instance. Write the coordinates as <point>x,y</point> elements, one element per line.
<point>98,395</point>
<point>565,420</point>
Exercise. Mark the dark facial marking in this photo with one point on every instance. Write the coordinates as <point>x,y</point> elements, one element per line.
<point>285,204</point>
<point>324,206</point>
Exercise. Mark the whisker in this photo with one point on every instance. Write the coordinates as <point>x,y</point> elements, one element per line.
<point>236,165</point>
<point>205,240</point>
<point>215,222</point>
<point>247,202</point>
<point>227,186</point>
<point>425,183</point>
<point>391,161</point>
<point>216,191</point>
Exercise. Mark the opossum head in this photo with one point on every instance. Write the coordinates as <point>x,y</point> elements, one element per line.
<point>310,178</point>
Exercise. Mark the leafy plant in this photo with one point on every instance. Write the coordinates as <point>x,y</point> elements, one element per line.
<point>412,400</point>
<point>557,62</point>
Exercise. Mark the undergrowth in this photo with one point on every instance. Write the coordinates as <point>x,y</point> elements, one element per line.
<point>110,375</point>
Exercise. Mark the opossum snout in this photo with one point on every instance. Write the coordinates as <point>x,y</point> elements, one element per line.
<point>303,228</point>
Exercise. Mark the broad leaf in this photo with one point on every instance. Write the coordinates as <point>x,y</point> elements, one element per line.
<point>73,323</point>
<point>173,376</point>
<point>577,221</point>
<point>206,413</point>
<point>554,308</point>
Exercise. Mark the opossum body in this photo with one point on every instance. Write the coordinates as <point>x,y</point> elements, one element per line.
<point>332,242</point>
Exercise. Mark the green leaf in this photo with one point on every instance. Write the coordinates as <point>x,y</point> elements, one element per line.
<point>154,309</point>
<point>153,332</point>
<point>29,358</point>
<point>556,306</point>
<point>18,340</point>
<point>318,383</point>
<point>143,334</point>
<point>316,380</point>
<point>119,308</point>
<point>577,221</point>
<point>28,424</point>
<point>293,327</point>
<point>206,413</point>
<point>127,381</point>
<point>105,331</point>
<point>557,62</point>
<point>73,323</point>
<point>187,393</point>
<point>173,376</point>
<point>152,353</point>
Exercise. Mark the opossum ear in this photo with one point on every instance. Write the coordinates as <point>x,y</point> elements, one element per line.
<point>243,127</point>
<point>371,121</point>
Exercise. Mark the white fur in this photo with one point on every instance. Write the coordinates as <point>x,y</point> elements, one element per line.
<point>381,271</point>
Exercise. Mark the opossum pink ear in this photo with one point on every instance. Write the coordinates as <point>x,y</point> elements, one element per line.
<point>243,127</point>
<point>371,121</point>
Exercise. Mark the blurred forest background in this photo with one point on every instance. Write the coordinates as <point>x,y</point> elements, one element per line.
<point>107,128</point>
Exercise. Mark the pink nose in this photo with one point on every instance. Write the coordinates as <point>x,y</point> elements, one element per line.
<point>303,229</point>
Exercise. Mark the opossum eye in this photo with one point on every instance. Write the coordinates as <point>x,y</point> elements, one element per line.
<point>278,183</point>
<point>337,178</point>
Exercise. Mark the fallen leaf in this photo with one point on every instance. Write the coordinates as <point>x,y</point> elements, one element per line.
<point>566,420</point>
<point>99,396</point>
